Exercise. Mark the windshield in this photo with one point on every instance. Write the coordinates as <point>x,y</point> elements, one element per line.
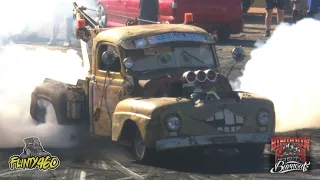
<point>196,56</point>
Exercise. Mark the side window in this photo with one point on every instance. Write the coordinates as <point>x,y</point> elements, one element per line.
<point>116,66</point>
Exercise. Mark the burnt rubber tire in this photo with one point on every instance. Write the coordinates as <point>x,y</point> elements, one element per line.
<point>81,133</point>
<point>141,153</point>
<point>43,107</point>
<point>223,34</point>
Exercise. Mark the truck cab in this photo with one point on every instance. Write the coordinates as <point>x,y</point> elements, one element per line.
<point>158,88</point>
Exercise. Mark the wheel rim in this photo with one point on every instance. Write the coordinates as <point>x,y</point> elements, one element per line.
<point>101,17</point>
<point>138,145</point>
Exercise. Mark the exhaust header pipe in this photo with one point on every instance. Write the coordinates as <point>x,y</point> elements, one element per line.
<point>200,76</point>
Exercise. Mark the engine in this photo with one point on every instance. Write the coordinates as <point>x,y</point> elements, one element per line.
<point>200,84</point>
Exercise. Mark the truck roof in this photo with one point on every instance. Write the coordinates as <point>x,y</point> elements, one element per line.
<point>116,35</point>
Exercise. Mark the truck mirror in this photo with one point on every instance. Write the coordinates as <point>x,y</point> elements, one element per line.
<point>238,54</point>
<point>108,58</point>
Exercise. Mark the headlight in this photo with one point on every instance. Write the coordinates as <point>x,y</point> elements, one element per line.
<point>173,122</point>
<point>263,118</point>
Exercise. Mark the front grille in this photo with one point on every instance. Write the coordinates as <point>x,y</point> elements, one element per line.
<point>226,121</point>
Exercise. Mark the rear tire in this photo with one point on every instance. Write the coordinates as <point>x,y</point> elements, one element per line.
<point>141,153</point>
<point>223,34</point>
<point>43,107</point>
<point>41,110</point>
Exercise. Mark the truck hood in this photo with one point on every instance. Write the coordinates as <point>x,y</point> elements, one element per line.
<point>224,115</point>
<point>152,85</point>
<point>146,106</point>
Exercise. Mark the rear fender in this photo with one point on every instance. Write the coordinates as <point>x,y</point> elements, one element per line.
<point>68,101</point>
<point>34,102</point>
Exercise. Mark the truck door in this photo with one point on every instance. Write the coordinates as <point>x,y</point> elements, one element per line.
<point>105,91</point>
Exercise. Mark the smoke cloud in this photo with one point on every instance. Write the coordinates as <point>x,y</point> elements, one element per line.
<point>21,17</point>
<point>286,70</point>
<point>21,70</point>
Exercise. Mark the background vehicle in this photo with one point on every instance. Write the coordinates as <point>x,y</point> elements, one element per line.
<point>157,88</point>
<point>225,17</point>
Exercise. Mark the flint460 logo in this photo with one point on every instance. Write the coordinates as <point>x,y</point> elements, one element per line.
<point>33,156</point>
<point>290,154</point>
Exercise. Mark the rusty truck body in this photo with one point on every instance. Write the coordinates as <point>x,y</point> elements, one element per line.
<point>158,87</point>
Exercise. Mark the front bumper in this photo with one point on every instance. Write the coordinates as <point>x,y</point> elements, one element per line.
<point>221,139</point>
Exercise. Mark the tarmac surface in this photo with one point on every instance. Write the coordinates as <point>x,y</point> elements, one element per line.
<point>101,159</point>
<point>104,160</point>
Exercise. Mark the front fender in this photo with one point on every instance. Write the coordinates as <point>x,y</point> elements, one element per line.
<point>119,119</point>
<point>149,115</point>
<point>144,112</point>
<point>47,92</point>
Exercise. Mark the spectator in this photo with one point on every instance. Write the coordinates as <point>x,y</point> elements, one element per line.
<point>64,13</point>
<point>149,10</point>
<point>297,10</point>
<point>270,5</point>
<point>288,6</point>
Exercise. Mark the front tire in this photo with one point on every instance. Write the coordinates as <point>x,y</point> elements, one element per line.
<point>141,153</point>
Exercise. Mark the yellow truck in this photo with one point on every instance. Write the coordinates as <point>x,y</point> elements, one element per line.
<point>157,87</point>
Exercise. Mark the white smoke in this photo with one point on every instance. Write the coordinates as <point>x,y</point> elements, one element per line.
<point>286,70</point>
<point>27,16</point>
<point>21,70</point>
